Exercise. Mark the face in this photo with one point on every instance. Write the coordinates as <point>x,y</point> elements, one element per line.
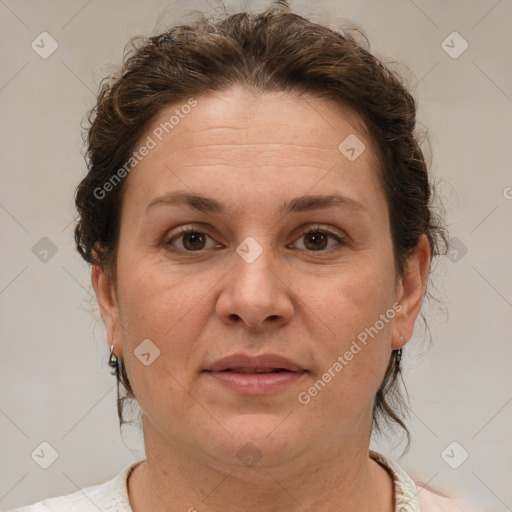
<point>260,273</point>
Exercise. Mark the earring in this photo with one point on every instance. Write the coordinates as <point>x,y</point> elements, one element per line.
<point>399,352</point>
<point>113,358</point>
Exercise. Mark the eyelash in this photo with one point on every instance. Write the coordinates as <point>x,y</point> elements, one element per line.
<point>318,229</point>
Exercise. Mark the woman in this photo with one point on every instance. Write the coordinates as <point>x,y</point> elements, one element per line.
<point>257,214</point>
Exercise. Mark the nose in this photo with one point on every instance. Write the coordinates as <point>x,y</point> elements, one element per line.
<point>256,293</point>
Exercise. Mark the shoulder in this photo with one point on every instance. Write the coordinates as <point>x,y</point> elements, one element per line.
<point>77,501</point>
<point>431,501</point>
<point>111,496</point>
<point>412,496</point>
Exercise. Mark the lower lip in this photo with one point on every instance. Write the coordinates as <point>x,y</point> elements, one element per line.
<point>256,383</point>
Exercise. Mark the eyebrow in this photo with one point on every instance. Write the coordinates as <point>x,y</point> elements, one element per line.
<point>298,204</point>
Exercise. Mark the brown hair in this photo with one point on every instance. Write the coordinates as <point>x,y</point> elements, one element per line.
<point>275,50</point>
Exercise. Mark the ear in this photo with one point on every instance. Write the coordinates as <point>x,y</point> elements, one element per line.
<point>105,294</point>
<point>411,290</point>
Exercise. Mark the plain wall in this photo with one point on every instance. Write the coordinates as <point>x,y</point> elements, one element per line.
<point>54,380</point>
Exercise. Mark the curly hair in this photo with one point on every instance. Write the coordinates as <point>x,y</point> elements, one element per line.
<point>274,50</point>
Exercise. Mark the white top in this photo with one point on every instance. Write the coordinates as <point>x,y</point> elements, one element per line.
<point>112,496</point>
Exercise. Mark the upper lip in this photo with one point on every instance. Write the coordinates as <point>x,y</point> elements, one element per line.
<point>260,362</point>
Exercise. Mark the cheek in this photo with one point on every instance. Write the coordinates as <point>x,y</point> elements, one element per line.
<point>158,303</point>
<point>163,309</point>
<point>154,296</point>
<point>359,293</point>
<point>358,311</point>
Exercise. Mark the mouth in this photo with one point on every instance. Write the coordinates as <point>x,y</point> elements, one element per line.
<point>255,375</point>
<point>263,363</point>
<point>255,370</point>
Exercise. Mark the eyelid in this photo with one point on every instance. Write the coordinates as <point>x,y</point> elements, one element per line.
<point>314,228</point>
<point>309,228</point>
<point>188,228</point>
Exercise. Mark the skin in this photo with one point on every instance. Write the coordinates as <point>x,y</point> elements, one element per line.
<point>252,153</point>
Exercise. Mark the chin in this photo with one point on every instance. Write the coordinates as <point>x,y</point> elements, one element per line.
<point>259,439</point>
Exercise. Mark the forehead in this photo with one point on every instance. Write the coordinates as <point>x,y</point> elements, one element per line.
<point>237,141</point>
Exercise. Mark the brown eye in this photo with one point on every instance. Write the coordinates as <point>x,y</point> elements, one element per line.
<point>318,240</point>
<point>192,240</point>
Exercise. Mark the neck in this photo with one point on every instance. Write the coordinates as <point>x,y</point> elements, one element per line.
<point>341,481</point>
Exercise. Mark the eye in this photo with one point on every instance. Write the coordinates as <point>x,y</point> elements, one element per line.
<point>192,239</point>
<point>317,239</point>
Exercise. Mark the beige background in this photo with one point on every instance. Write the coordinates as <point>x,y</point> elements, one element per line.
<point>54,382</point>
